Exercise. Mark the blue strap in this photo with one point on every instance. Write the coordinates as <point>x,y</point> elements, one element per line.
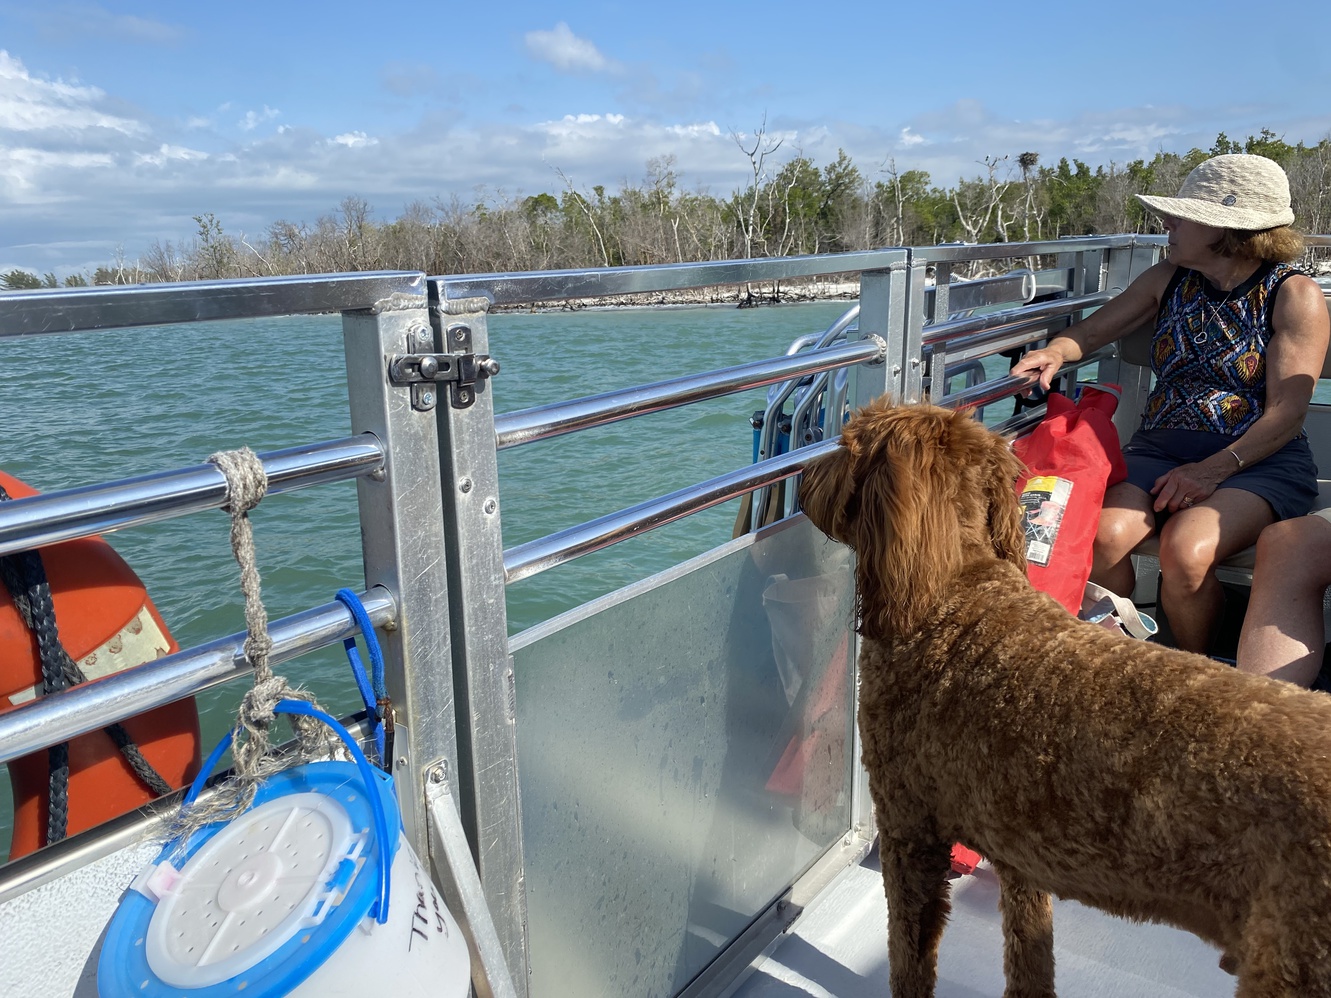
<point>372,690</point>
<point>380,911</point>
<point>371,792</point>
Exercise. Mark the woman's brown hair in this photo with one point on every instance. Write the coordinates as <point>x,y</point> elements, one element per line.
<point>1279,245</point>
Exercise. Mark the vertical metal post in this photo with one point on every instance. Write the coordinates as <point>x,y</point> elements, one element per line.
<point>883,313</point>
<point>487,775</point>
<point>883,297</point>
<point>914,318</point>
<point>1122,268</point>
<point>403,541</point>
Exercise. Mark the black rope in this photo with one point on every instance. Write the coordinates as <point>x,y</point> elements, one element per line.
<point>24,576</point>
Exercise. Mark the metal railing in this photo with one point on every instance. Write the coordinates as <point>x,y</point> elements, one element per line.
<point>39,520</point>
<point>428,484</point>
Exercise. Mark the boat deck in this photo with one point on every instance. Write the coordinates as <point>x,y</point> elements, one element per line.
<point>838,949</point>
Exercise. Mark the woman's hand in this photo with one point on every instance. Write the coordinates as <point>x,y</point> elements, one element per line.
<point>1045,363</point>
<point>1186,486</point>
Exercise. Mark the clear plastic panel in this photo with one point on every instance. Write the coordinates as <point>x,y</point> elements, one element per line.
<point>684,754</point>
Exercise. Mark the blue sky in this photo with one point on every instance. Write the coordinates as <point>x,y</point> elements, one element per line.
<point>119,121</point>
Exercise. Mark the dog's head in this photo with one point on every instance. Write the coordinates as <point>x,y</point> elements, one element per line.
<point>918,492</point>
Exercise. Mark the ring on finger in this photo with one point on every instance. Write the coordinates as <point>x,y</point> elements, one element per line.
<point>1188,500</point>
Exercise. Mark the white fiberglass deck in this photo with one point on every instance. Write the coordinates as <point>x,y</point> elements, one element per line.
<point>838,949</point>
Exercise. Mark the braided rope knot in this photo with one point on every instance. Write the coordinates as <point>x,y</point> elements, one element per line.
<point>247,484</point>
<point>246,480</point>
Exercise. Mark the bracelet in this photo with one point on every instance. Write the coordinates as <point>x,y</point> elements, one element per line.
<point>1234,454</point>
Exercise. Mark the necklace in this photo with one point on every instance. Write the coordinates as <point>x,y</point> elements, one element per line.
<point>1201,335</point>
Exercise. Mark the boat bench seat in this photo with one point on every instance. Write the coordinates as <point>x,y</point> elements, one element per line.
<point>1237,568</point>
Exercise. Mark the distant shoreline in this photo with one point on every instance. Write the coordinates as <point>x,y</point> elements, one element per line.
<point>753,294</point>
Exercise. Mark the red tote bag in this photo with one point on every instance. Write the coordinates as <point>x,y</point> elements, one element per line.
<point>1071,458</point>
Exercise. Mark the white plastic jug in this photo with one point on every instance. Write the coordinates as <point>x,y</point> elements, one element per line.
<point>311,891</point>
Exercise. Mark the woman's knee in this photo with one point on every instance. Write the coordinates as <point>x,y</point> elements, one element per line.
<point>1115,537</point>
<point>1299,546</point>
<point>1276,541</point>
<point>1187,555</point>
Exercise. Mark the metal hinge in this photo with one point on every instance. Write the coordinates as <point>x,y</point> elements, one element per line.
<point>465,373</point>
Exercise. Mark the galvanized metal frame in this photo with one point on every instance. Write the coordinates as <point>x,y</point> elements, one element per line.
<point>403,546</point>
<point>486,776</point>
<point>885,296</point>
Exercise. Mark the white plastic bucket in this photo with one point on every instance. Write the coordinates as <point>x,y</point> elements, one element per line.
<point>288,898</point>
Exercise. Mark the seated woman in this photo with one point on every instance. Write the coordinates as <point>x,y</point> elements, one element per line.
<point>1284,633</point>
<point>1240,336</point>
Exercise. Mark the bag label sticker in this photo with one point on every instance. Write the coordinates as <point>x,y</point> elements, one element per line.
<point>1045,499</point>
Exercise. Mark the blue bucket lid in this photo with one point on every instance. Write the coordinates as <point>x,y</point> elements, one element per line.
<point>260,902</point>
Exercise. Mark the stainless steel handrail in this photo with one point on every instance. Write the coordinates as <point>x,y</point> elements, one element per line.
<point>1046,247</point>
<point>987,393</point>
<point>997,389</point>
<point>776,400</point>
<point>543,422</point>
<point>27,313</point>
<point>609,282</point>
<point>534,557</point>
<point>90,706</point>
<point>946,332</point>
<point>97,509</point>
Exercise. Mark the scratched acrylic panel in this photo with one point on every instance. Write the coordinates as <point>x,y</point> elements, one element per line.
<point>684,753</point>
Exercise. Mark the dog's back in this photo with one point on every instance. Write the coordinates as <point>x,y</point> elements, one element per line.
<point>1148,782</point>
<point>1130,776</point>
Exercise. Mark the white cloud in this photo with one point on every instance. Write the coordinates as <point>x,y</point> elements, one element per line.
<point>168,153</point>
<point>25,174</point>
<point>253,119</point>
<point>907,138</point>
<point>30,104</point>
<point>564,50</point>
<point>704,129</point>
<point>355,140</point>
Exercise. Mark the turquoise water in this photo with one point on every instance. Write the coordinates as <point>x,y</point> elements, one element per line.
<point>85,408</point>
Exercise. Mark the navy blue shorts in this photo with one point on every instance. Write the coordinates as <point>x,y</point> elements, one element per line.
<point>1287,479</point>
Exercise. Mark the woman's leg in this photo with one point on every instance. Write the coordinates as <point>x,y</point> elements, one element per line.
<point>1192,542</point>
<point>1126,519</point>
<point>1283,633</point>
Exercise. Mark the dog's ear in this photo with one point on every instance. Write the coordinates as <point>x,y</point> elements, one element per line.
<point>1007,523</point>
<point>827,493</point>
<point>907,536</point>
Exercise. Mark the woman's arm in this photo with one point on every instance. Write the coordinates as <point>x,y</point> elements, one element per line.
<point>1138,303</point>
<point>1300,330</point>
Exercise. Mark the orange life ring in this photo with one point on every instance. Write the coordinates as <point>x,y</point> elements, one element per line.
<point>107,624</point>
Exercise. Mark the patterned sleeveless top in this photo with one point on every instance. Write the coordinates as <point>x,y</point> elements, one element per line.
<point>1209,352</point>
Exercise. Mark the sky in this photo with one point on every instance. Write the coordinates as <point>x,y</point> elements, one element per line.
<point>121,121</point>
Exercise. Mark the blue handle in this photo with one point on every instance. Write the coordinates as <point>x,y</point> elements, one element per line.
<point>370,692</point>
<point>362,765</point>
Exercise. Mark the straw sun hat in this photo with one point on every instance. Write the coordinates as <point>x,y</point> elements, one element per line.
<point>1234,191</point>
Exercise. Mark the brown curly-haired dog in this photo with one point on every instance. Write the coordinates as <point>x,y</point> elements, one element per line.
<point>1150,783</point>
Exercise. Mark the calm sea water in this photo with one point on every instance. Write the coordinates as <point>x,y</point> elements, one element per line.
<point>86,408</point>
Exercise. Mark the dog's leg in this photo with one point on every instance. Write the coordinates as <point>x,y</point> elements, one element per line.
<point>1284,951</point>
<point>915,880</point>
<point>1028,937</point>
